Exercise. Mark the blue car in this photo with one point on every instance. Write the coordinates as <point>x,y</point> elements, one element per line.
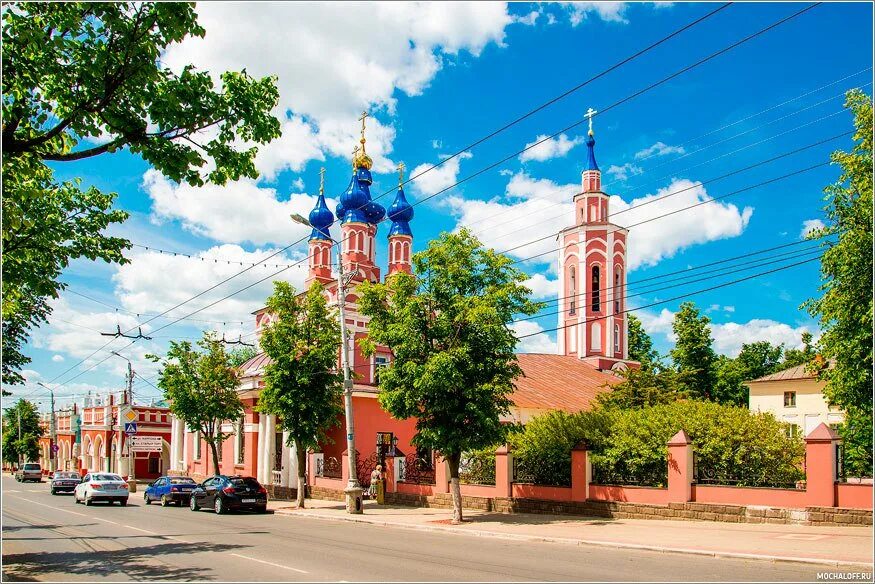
<point>170,490</point>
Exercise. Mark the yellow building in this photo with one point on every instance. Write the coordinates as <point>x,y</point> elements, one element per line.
<point>795,397</point>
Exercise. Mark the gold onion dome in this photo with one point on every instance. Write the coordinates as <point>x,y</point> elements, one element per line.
<point>361,158</point>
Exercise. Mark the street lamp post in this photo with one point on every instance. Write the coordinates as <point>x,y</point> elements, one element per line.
<point>353,489</point>
<point>129,400</point>
<point>53,438</point>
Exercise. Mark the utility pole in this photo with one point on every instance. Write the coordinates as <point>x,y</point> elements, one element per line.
<point>53,438</point>
<point>18,411</point>
<point>128,400</point>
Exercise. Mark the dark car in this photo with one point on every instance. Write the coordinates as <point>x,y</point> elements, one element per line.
<point>170,490</point>
<point>64,482</point>
<point>229,493</point>
<point>30,471</point>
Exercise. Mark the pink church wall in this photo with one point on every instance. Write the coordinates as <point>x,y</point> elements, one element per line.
<point>853,496</point>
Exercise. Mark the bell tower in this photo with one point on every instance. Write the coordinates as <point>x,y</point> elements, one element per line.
<point>592,274</point>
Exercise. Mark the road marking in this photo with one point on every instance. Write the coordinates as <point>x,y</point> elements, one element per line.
<point>12,491</point>
<point>138,529</point>
<point>106,521</point>
<point>53,508</point>
<point>270,563</point>
<point>802,536</point>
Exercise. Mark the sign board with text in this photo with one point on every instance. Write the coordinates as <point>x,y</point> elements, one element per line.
<point>146,444</point>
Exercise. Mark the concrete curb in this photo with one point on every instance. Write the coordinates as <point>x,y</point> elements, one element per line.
<point>573,541</point>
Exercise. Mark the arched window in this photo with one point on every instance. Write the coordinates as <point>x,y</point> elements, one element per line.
<point>618,290</point>
<point>616,337</point>
<point>572,293</point>
<point>360,242</point>
<point>596,293</point>
<point>596,342</point>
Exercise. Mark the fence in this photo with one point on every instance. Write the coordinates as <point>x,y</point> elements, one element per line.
<point>684,482</point>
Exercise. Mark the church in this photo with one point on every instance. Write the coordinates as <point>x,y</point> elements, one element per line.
<point>592,332</point>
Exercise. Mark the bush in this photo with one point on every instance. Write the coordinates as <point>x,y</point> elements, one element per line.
<point>733,445</point>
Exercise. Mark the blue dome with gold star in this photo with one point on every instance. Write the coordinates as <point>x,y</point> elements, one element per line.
<point>590,145</point>
<point>321,219</point>
<point>400,213</point>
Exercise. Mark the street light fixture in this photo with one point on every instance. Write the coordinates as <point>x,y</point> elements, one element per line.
<point>353,489</point>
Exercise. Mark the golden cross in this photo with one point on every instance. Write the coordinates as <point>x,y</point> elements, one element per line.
<point>401,168</point>
<point>362,120</point>
<point>322,181</point>
<point>354,152</point>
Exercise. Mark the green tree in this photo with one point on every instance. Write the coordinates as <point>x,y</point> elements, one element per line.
<point>23,420</point>
<point>241,355</point>
<point>201,387</point>
<point>754,360</point>
<point>644,387</point>
<point>449,330</point>
<point>640,344</point>
<point>693,355</point>
<point>302,384</point>
<point>83,79</point>
<point>803,356</point>
<point>845,307</point>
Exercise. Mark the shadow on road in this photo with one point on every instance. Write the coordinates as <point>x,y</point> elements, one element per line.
<point>136,563</point>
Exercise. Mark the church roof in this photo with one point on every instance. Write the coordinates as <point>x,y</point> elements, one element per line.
<point>798,372</point>
<point>559,382</point>
<point>590,157</point>
<point>549,382</point>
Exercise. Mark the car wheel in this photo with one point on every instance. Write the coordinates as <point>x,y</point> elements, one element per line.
<point>146,499</point>
<point>123,502</point>
<point>219,506</point>
<point>88,502</point>
<point>164,501</point>
<point>52,491</point>
<point>192,504</point>
<point>262,509</point>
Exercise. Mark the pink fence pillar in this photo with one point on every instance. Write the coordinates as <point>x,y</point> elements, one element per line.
<point>441,475</point>
<point>503,472</point>
<point>581,472</point>
<point>680,468</point>
<point>820,466</point>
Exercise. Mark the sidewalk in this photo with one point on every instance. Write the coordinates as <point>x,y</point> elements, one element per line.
<point>794,543</point>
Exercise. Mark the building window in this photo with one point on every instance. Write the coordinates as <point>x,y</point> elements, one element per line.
<point>241,442</point>
<point>618,291</point>
<point>596,293</point>
<point>380,363</point>
<point>789,399</point>
<point>616,338</point>
<point>573,292</point>
<point>792,430</point>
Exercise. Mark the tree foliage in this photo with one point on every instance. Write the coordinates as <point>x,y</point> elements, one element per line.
<point>845,306</point>
<point>640,344</point>
<point>644,387</point>
<point>83,79</point>
<point>693,355</point>
<point>23,414</point>
<point>803,356</point>
<point>302,384</point>
<point>201,386</point>
<point>449,330</point>
<point>754,360</point>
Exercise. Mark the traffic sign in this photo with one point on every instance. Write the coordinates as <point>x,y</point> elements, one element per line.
<point>130,428</point>
<point>146,444</point>
<point>131,415</point>
<point>55,448</point>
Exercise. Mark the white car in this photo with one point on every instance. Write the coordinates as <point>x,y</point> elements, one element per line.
<point>101,486</point>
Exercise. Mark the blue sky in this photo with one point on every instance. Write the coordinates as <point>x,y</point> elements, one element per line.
<point>436,78</point>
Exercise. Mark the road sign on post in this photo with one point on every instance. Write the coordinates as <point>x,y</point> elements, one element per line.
<point>130,428</point>
<point>146,444</point>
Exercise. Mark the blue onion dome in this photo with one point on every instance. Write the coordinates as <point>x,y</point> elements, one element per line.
<point>400,213</point>
<point>321,219</point>
<point>374,212</point>
<point>363,175</point>
<point>353,201</point>
<point>590,145</point>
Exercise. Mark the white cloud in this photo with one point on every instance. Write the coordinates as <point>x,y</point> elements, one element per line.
<point>542,287</point>
<point>550,147</point>
<point>659,149</point>
<point>528,19</point>
<point>810,225</point>
<point>439,178</point>
<point>545,208</point>
<point>625,171</point>
<point>539,342</point>
<point>58,358</point>
<point>143,285</point>
<point>237,212</point>
<point>437,144</point>
<point>329,68</point>
<point>607,11</point>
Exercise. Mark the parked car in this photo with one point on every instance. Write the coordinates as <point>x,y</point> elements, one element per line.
<point>102,486</point>
<point>170,490</point>
<point>229,493</point>
<point>64,482</point>
<point>29,471</point>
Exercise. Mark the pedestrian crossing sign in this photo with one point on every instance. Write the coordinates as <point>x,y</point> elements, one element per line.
<point>130,428</point>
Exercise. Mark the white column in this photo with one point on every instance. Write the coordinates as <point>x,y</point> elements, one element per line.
<point>609,268</point>
<point>284,481</point>
<point>270,448</point>
<point>186,459</point>
<point>561,332</point>
<point>293,465</point>
<point>259,457</point>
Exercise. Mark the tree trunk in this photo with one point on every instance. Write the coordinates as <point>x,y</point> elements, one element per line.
<point>215,452</point>
<point>301,453</point>
<point>453,462</point>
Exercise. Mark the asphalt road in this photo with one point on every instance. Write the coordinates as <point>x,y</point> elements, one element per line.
<point>52,538</point>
